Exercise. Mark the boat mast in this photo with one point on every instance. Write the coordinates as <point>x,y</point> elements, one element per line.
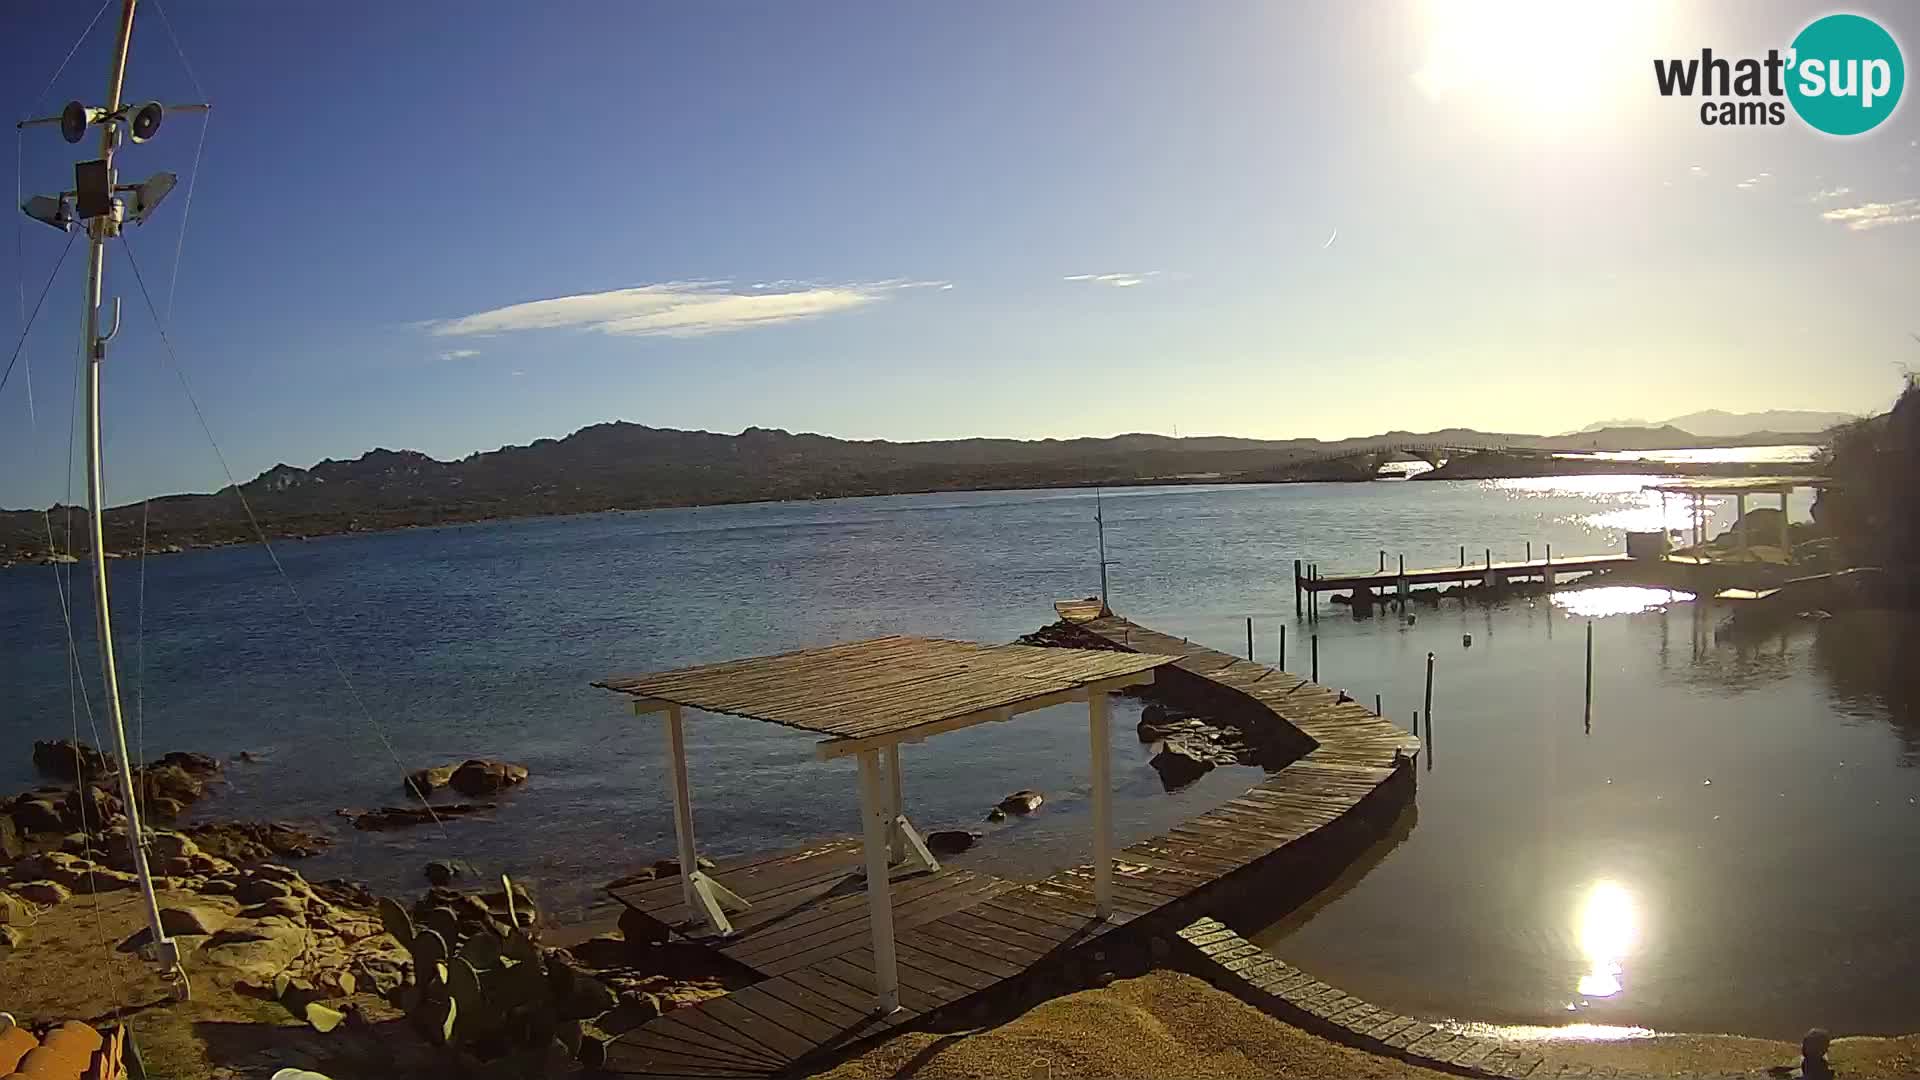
<point>1100,522</point>
<point>96,202</point>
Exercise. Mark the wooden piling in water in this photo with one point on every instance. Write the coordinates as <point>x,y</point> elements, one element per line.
<point>1296,590</point>
<point>1463,554</point>
<point>1589,720</point>
<point>1376,706</point>
<point>1427,702</point>
<point>1529,551</point>
<point>1249,638</point>
<point>1282,665</point>
<point>1316,658</point>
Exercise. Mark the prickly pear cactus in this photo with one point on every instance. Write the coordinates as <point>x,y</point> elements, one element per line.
<point>502,1007</point>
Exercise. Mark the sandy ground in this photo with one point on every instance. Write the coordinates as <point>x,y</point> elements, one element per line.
<point>1166,1024</point>
<point>1159,1025</point>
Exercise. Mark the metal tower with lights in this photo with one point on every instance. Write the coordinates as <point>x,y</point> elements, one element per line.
<point>102,206</point>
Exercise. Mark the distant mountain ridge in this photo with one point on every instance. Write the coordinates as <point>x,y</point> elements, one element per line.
<point>624,466</point>
<point>1719,424</point>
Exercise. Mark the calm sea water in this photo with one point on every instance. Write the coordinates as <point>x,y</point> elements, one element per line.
<point>1541,857</point>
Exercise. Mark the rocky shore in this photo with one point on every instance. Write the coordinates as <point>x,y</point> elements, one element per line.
<point>319,974</point>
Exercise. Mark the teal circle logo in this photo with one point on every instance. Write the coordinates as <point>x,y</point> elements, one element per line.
<point>1846,74</point>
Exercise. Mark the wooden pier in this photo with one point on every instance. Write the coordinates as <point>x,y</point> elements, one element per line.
<point>1308,581</point>
<point>966,942</point>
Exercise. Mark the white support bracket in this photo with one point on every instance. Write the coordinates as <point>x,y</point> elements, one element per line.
<point>915,857</point>
<point>713,900</point>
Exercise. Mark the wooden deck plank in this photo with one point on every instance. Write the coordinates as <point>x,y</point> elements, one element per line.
<point>973,949</point>
<point>847,908</point>
<point>649,1051</point>
<point>799,995</point>
<point>696,1025</point>
<point>938,971</point>
<point>780,1044</point>
<point>1038,944</point>
<point>842,937</point>
<point>833,990</point>
<point>856,970</point>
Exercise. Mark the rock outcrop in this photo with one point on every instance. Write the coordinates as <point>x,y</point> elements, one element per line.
<point>474,778</point>
<point>400,817</point>
<point>72,761</point>
<point>950,841</point>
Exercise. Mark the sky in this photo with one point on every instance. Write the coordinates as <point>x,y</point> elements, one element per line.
<point>452,227</point>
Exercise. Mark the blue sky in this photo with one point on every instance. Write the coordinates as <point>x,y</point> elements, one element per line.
<point>921,221</point>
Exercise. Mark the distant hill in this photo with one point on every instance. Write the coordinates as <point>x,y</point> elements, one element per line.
<point>622,466</point>
<point>1716,424</point>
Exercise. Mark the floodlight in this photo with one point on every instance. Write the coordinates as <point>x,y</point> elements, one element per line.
<point>50,211</point>
<point>148,193</point>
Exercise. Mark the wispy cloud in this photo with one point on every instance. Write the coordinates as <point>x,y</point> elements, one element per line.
<point>679,308</point>
<point>459,354</point>
<point>1876,215</point>
<point>1829,194</point>
<point>1754,181</point>
<point>1123,280</point>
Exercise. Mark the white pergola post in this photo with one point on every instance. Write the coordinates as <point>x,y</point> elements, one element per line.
<point>705,898</point>
<point>874,829</point>
<point>1740,518</point>
<point>896,840</point>
<point>1786,542</point>
<point>1102,803</point>
<point>682,804</point>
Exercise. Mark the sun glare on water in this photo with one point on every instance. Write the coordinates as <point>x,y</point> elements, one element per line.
<point>1607,929</point>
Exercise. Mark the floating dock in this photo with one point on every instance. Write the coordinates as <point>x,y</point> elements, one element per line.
<point>968,943</point>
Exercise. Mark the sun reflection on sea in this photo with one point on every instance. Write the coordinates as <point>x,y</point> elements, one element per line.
<point>1609,925</point>
<point>1607,600</point>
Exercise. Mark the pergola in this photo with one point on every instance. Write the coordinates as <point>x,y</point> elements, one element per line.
<point>1698,488</point>
<point>868,697</point>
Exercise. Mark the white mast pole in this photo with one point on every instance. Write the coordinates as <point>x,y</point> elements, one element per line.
<point>99,229</point>
<point>1100,522</point>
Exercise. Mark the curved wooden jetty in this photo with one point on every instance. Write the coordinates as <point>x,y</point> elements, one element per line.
<point>969,943</point>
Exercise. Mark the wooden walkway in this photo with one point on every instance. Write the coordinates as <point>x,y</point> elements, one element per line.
<point>1472,572</point>
<point>965,937</point>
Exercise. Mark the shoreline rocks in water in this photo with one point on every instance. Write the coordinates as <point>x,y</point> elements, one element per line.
<point>1022,802</point>
<point>951,841</point>
<point>474,778</point>
<point>400,817</point>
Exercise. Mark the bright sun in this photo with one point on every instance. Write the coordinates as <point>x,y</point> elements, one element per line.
<point>1549,58</point>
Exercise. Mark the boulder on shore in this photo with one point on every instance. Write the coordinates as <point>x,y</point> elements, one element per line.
<point>71,760</point>
<point>32,813</point>
<point>256,841</point>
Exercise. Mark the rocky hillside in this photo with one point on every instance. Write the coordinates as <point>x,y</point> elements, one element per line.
<point>631,466</point>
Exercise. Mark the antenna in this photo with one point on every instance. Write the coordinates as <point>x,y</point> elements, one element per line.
<point>1100,522</point>
<point>95,205</point>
